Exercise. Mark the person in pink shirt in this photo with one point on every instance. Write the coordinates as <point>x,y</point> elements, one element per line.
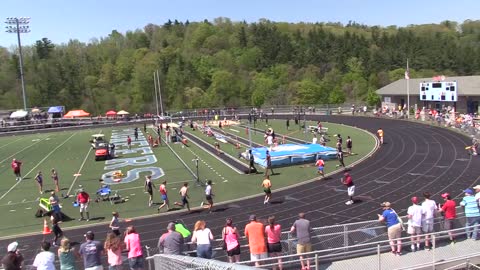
<point>113,246</point>
<point>274,246</point>
<point>134,248</point>
<point>16,166</point>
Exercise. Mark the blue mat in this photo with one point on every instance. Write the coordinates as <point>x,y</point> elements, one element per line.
<point>291,154</point>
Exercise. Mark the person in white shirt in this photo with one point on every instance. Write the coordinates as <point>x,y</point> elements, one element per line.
<point>45,259</point>
<point>203,237</point>
<point>314,140</point>
<point>414,213</point>
<point>429,208</point>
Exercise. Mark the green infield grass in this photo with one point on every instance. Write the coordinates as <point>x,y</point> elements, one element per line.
<point>71,154</point>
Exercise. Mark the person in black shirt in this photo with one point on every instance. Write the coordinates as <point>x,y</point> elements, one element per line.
<point>349,145</point>
<point>251,167</point>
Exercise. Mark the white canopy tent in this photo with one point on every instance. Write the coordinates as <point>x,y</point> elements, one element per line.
<point>19,114</point>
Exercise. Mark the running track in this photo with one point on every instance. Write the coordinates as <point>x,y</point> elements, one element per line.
<point>415,158</point>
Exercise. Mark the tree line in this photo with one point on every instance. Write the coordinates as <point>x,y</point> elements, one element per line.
<point>221,63</point>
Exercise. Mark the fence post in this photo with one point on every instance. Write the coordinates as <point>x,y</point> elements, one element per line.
<point>434,246</point>
<point>379,258</point>
<point>317,267</point>
<point>148,255</point>
<point>345,236</point>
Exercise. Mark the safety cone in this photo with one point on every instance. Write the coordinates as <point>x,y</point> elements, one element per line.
<point>46,229</point>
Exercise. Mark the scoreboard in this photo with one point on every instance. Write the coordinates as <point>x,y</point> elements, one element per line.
<point>438,91</point>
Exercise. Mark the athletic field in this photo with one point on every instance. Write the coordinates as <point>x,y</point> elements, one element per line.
<point>70,153</point>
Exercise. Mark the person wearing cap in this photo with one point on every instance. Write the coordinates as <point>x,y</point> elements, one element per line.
<point>472,214</point>
<point>255,234</point>
<point>348,182</point>
<point>230,237</point>
<point>304,244</point>
<point>45,260</point>
<point>394,228</point>
<point>171,242</point>
<point>13,259</point>
<point>91,252</point>
<point>448,209</point>
<point>415,214</point>
<point>134,247</point>
<point>429,208</point>
<point>203,237</point>
<point>83,199</point>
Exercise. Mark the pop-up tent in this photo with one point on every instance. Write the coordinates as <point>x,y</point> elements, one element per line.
<point>55,109</point>
<point>111,113</point>
<point>19,114</point>
<point>122,112</point>
<point>76,113</point>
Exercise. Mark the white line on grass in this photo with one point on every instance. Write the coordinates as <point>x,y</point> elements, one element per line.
<point>5,159</point>
<point>10,143</point>
<point>38,164</point>
<point>79,170</point>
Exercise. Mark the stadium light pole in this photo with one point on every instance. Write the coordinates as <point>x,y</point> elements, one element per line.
<point>19,26</point>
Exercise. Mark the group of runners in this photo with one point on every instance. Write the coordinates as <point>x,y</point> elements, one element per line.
<point>17,171</point>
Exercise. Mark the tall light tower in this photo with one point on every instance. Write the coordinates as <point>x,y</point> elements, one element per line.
<point>19,26</point>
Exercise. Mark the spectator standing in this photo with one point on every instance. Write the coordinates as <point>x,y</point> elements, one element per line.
<point>113,245</point>
<point>67,255</point>
<point>268,160</point>
<point>380,135</point>
<point>203,237</point>
<point>129,142</point>
<point>55,204</point>
<point>255,234</point>
<point>349,145</point>
<point>134,248</point>
<point>340,159</point>
<point>415,214</point>
<point>429,208</point>
<point>16,167</point>
<point>274,246</point>
<point>302,227</point>
<point>182,229</point>
<point>55,180</point>
<point>39,179</point>
<point>45,260</point>
<point>348,182</point>
<point>230,238</point>
<point>450,213</point>
<point>171,242</point>
<point>394,228</point>
<point>287,123</point>
<point>13,259</point>
<point>91,252</point>
<point>84,200</point>
<point>472,214</point>
<point>115,224</point>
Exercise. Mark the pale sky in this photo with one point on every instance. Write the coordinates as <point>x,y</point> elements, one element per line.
<point>62,20</point>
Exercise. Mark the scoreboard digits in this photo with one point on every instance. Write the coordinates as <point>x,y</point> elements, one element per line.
<point>438,91</point>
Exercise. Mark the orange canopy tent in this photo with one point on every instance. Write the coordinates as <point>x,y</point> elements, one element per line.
<point>76,113</point>
<point>111,113</point>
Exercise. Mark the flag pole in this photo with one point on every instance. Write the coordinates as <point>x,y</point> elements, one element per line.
<point>408,90</point>
<point>159,92</point>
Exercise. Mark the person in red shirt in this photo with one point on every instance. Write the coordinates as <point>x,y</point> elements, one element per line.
<point>449,213</point>
<point>129,142</point>
<point>16,166</point>
<point>320,165</point>
<point>348,182</point>
<point>163,194</point>
<point>83,199</point>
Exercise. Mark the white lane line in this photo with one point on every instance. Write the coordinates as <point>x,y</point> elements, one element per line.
<point>10,143</point>
<point>5,159</point>
<point>78,174</point>
<point>38,164</point>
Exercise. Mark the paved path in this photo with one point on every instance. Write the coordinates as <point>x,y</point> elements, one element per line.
<point>414,158</point>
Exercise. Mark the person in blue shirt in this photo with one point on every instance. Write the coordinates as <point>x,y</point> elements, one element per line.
<point>472,213</point>
<point>390,217</point>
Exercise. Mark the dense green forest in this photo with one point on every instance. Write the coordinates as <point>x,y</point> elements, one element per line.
<point>222,63</point>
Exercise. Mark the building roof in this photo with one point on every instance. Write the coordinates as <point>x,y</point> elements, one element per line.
<point>467,86</point>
